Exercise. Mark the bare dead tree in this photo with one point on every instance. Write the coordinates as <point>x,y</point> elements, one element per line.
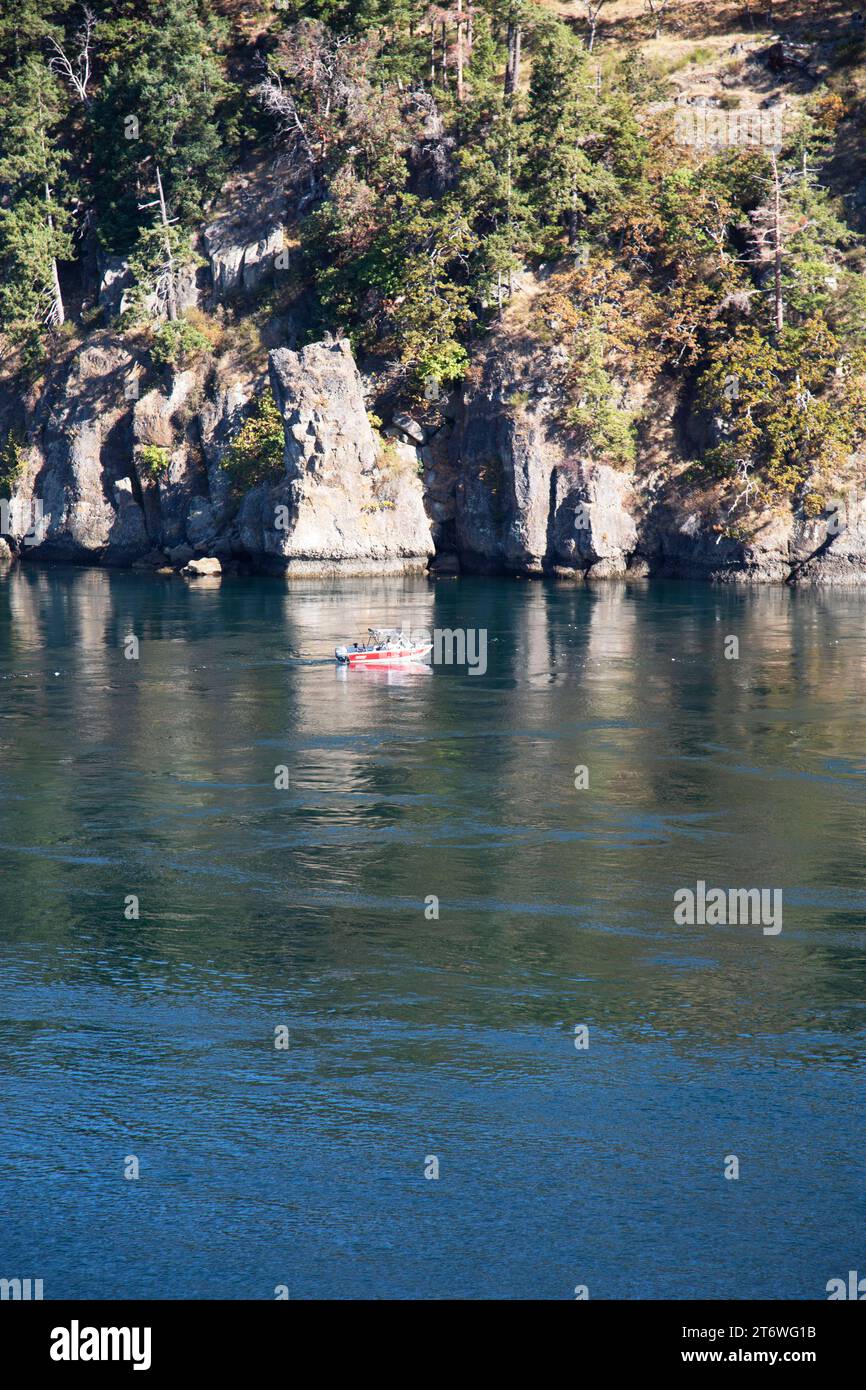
<point>769,240</point>
<point>318,88</point>
<point>279,102</point>
<point>55,313</point>
<point>76,71</point>
<point>657,9</point>
<point>166,287</point>
<point>514,42</point>
<point>744,467</point>
<point>593,9</point>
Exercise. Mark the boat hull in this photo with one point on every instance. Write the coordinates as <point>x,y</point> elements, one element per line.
<point>386,656</point>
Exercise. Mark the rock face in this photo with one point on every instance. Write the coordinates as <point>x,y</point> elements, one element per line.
<point>167,421</point>
<point>524,505</point>
<point>346,503</point>
<point>593,524</point>
<point>220,417</point>
<point>832,550</point>
<point>529,501</point>
<point>243,242</point>
<point>116,283</point>
<point>82,468</point>
<point>124,466</point>
<point>124,478</point>
<point>431,153</point>
<point>526,500</point>
<point>115,278</point>
<point>503,496</point>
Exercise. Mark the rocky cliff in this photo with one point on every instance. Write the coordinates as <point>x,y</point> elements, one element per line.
<point>345,503</point>
<point>488,480</point>
<point>358,198</point>
<point>530,500</point>
<point>116,478</point>
<point>123,460</point>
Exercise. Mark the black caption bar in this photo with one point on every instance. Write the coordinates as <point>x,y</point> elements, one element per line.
<point>158,1339</point>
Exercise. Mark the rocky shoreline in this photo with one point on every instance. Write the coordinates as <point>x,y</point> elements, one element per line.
<point>484,483</point>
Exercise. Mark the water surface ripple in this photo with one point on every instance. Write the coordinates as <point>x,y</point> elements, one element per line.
<point>411,1037</point>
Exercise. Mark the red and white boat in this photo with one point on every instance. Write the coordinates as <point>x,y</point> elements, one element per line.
<point>384,646</point>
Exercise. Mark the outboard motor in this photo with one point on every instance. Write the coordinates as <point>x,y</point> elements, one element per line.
<point>341,654</point>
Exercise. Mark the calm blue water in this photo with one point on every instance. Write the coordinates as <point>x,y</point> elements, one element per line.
<point>413,1037</point>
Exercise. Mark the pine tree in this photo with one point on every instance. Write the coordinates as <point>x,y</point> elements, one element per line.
<point>36,219</point>
<point>493,196</point>
<point>25,25</point>
<point>797,237</point>
<point>561,174</point>
<point>156,121</point>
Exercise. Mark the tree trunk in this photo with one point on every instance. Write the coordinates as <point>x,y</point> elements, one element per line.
<point>573,219</point>
<point>777,247</point>
<point>512,67</point>
<point>59,315</point>
<point>169,258</point>
<point>459,50</point>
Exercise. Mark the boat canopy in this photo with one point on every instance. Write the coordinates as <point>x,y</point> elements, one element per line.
<point>386,634</point>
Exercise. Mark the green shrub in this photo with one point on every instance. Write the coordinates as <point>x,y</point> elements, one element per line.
<point>696,56</point>
<point>153,460</point>
<point>177,344</point>
<point>796,413</point>
<point>603,426</point>
<point>256,452</point>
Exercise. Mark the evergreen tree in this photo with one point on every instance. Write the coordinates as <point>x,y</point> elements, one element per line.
<point>24,27</point>
<point>561,174</point>
<point>156,121</point>
<point>36,216</point>
<point>492,194</point>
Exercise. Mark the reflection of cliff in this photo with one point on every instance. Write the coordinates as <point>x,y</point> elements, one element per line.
<point>577,881</point>
<point>156,778</point>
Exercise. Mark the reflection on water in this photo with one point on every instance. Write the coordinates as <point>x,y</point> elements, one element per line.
<point>409,1036</point>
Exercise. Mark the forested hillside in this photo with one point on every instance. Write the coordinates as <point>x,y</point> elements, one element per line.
<point>651,211</point>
